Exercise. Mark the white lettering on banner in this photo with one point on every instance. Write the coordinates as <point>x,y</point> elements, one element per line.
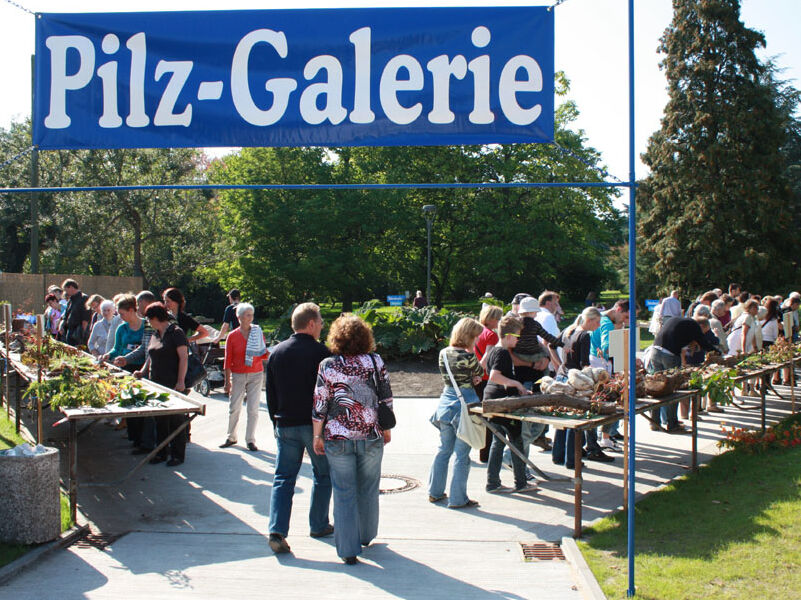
<point>390,86</point>
<point>332,88</point>
<point>137,117</point>
<point>108,75</point>
<point>509,85</point>
<point>164,113</point>
<point>60,82</point>
<point>280,87</point>
<point>318,102</point>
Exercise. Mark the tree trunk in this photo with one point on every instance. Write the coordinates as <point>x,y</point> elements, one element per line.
<point>347,302</point>
<point>512,403</point>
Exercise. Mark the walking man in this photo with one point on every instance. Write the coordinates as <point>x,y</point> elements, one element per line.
<point>291,378</point>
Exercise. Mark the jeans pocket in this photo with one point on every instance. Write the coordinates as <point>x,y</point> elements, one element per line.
<point>335,447</point>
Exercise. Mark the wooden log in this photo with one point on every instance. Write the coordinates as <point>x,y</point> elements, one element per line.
<point>513,403</point>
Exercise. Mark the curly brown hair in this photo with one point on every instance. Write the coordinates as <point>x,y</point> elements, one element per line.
<point>350,335</point>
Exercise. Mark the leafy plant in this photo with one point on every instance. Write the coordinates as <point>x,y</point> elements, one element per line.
<point>134,394</point>
<point>719,385</point>
<point>784,434</point>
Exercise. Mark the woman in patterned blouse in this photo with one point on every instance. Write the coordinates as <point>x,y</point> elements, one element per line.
<point>350,385</point>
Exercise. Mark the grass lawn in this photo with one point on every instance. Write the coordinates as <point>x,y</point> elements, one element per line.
<point>8,439</point>
<point>731,531</point>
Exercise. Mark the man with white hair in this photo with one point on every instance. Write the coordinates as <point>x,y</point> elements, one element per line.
<point>671,306</point>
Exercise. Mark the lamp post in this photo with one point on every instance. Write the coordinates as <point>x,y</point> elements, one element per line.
<point>429,210</point>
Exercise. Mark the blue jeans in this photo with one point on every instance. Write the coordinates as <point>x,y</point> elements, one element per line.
<point>528,433</point>
<point>563,451</point>
<point>496,458</point>
<point>661,361</point>
<point>355,473</point>
<point>292,441</point>
<point>448,444</point>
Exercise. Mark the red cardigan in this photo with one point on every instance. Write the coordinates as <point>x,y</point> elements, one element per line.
<point>235,346</point>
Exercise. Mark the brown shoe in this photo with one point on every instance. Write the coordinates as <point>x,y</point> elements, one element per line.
<point>278,543</point>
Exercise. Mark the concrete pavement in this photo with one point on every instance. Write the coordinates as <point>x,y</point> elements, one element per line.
<point>200,530</point>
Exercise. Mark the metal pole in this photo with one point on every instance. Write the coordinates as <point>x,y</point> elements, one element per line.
<point>632,307</point>
<point>428,261</point>
<point>34,183</point>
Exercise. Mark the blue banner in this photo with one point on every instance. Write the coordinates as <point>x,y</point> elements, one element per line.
<point>332,77</point>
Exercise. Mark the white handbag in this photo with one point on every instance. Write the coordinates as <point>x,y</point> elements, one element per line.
<point>471,430</point>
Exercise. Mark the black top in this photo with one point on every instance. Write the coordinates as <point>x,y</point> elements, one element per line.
<point>499,359</point>
<point>163,353</point>
<point>291,378</point>
<point>76,312</point>
<point>678,332</point>
<point>187,323</point>
<point>576,351</point>
<point>528,342</point>
<point>229,316</point>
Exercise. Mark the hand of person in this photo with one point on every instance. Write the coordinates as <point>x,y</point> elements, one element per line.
<point>387,436</point>
<point>541,364</point>
<point>319,446</point>
<point>138,374</point>
<point>477,379</point>
<point>120,361</point>
<point>180,386</point>
<point>523,391</point>
<point>227,387</point>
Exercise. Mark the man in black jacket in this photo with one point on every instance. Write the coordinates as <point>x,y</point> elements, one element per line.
<point>291,379</point>
<point>75,322</point>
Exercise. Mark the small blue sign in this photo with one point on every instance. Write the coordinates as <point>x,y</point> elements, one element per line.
<point>651,304</point>
<point>396,300</point>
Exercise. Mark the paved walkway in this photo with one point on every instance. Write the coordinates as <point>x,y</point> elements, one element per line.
<point>200,530</point>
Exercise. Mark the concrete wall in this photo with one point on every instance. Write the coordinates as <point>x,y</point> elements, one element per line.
<point>27,292</point>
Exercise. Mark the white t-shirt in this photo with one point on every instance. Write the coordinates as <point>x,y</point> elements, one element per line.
<point>735,337</point>
<point>770,330</point>
<point>548,322</point>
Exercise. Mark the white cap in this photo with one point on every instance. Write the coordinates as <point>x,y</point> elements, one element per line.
<point>529,305</point>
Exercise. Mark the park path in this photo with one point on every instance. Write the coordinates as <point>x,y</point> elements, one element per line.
<point>199,531</point>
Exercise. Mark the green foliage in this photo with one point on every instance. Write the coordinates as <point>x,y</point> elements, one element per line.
<point>408,331</point>
<point>719,385</point>
<point>718,188</point>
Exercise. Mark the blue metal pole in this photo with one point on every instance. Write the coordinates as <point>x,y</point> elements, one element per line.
<point>632,306</point>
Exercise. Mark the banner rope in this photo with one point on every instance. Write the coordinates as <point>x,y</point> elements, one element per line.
<point>5,163</point>
<point>19,6</point>
<point>603,172</point>
<point>550,8</point>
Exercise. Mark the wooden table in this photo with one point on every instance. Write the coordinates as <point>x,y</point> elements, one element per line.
<point>176,404</point>
<point>642,406</point>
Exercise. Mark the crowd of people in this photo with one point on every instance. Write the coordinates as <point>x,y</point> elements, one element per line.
<point>326,400</point>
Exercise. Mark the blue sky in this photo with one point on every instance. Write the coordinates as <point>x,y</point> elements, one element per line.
<point>591,47</point>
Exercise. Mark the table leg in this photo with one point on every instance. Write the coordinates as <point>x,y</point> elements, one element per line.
<point>694,409</point>
<point>73,458</point>
<point>17,399</point>
<point>792,386</point>
<point>577,483</point>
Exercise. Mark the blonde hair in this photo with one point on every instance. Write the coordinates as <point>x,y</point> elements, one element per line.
<point>588,314</point>
<point>489,312</point>
<point>304,314</point>
<point>465,332</point>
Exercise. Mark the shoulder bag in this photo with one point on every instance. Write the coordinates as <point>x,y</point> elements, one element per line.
<point>386,417</point>
<point>470,430</point>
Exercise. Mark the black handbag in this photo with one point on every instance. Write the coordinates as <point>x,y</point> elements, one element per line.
<point>386,418</point>
<point>195,371</point>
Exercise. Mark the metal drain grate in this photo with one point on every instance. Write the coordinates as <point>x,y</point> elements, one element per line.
<point>99,541</point>
<point>409,483</point>
<point>532,552</point>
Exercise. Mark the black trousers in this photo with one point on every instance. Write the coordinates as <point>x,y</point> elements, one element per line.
<point>164,427</point>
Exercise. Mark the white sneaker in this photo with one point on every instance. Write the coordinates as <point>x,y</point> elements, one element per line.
<point>609,444</point>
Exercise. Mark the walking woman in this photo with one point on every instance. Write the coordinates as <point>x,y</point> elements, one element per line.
<point>167,357</point>
<point>466,371</point>
<point>350,386</point>
<point>244,351</point>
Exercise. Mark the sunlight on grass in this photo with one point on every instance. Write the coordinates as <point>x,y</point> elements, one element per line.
<point>732,531</point>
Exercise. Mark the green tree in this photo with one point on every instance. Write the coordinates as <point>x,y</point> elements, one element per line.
<point>712,206</point>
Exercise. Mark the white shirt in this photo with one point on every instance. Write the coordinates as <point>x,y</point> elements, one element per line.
<point>548,322</point>
<point>770,331</point>
<point>671,307</point>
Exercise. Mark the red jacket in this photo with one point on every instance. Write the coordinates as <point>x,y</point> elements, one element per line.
<point>235,346</point>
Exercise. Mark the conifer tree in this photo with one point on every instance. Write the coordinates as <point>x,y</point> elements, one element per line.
<point>714,207</point>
